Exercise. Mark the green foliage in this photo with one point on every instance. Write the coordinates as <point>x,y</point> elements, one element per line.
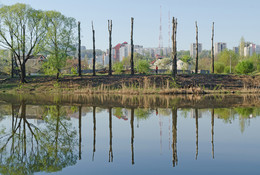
<point>225,56</point>
<point>181,53</point>
<point>227,70</point>
<point>143,66</point>
<point>118,67</point>
<point>219,67</point>
<point>255,58</point>
<point>186,59</point>
<point>59,42</point>
<point>74,71</point>
<point>245,67</point>
<point>142,114</point>
<point>244,112</point>
<point>258,68</point>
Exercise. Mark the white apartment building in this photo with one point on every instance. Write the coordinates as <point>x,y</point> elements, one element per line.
<point>249,49</point>
<point>219,47</point>
<point>193,49</point>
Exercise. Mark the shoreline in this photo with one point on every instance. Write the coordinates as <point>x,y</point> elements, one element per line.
<point>136,85</point>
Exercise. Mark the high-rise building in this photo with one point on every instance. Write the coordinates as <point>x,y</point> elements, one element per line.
<point>193,49</point>
<point>219,47</point>
<point>249,49</point>
<point>236,50</point>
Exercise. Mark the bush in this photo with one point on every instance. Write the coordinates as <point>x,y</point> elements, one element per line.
<point>143,66</point>
<point>258,68</point>
<point>227,70</point>
<point>74,71</point>
<point>219,67</point>
<point>245,67</point>
<point>118,67</point>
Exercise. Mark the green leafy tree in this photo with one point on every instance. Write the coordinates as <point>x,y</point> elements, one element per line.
<point>245,67</point>
<point>22,31</point>
<point>255,58</point>
<point>118,67</point>
<point>60,41</point>
<point>143,66</point>
<point>219,67</point>
<point>225,57</point>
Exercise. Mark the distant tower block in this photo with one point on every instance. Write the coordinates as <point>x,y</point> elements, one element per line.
<point>169,28</point>
<point>160,37</point>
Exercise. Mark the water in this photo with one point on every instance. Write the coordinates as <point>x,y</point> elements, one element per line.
<point>129,134</point>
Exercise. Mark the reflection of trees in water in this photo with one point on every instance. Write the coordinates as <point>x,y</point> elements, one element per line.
<point>110,136</point>
<point>244,115</point>
<point>132,134</point>
<point>142,113</point>
<point>28,148</point>
<point>174,137</point>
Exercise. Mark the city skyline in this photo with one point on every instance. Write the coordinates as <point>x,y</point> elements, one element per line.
<point>232,20</point>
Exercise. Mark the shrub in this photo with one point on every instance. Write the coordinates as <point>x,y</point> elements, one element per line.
<point>258,68</point>
<point>245,67</point>
<point>143,66</point>
<point>118,67</point>
<point>227,70</point>
<point>219,67</point>
<point>74,71</point>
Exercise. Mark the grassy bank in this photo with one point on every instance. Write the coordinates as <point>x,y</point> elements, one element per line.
<point>138,84</point>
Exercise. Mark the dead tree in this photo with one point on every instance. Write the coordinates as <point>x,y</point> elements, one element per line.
<point>212,50</point>
<point>110,46</point>
<point>132,47</point>
<point>79,51</point>
<point>197,49</point>
<point>94,51</point>
<point>174,47</point>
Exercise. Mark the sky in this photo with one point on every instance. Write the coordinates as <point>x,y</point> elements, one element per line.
<point>233,19</point>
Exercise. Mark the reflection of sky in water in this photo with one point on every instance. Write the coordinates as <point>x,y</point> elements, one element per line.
<point>235,152</point>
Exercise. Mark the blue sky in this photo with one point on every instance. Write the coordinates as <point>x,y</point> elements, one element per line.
<point>233,19</point>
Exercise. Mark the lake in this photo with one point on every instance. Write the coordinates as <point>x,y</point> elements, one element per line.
<point>113,134</point>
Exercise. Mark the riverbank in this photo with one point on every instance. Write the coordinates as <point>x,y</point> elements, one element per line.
<point>137,84</point>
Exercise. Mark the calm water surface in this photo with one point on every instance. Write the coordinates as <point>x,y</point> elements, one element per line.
<point>78,138</point>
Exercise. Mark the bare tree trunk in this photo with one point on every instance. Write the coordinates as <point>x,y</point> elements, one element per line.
<point>175,43</point>
<point>110,46</point>
<point>132,47</point>
<point>79,51</point>
<point>197,49</point>
<point>94,51</point>
<point>174,47</point>
<point>212,50</point>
